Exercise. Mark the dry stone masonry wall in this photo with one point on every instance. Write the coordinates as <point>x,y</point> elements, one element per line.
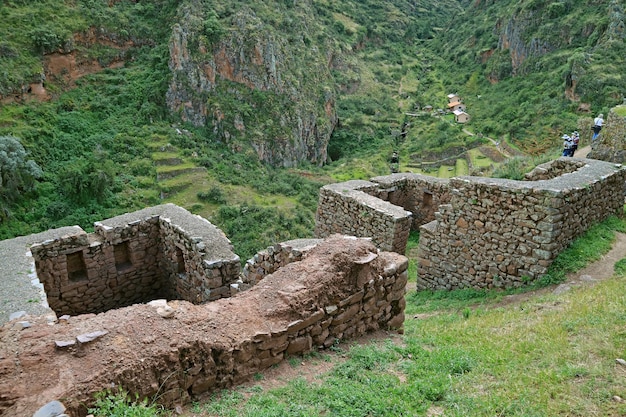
<point>419,194</point>
<point>477,232</point>
<point>160,252</point>
<point>345,208</point>
<point>271,259</point>
<point>342,288</point>
<point>501,233</point>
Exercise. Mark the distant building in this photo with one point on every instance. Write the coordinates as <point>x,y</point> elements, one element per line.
<point>453,98</point>
<point>428,108</point>
<point>456,105</point>
<point>461,117</point>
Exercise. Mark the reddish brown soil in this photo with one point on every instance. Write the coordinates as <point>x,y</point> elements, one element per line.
<point>150,354</point>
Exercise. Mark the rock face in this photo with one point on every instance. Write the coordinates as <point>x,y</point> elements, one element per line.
<point>253,83</point>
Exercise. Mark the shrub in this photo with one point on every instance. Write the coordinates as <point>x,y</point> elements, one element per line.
<point>214,195</point>
<point>17,173</point>
<point>120,404</point>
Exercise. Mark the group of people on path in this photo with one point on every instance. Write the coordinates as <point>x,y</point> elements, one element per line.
<point>570,143</point>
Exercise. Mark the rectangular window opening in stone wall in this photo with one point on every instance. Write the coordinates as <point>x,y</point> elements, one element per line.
<point>427,199</point>
<point>122,256</point>
<point>76,269</point>
<point>180,260</point>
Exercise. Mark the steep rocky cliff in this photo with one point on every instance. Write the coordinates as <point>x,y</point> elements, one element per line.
<point>254,82</point>
<point>535,36</point>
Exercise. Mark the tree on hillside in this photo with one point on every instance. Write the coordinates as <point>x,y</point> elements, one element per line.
<point>88,178</point>
<point>17,173</point>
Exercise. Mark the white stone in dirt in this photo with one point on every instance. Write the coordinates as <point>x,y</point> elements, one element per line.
<point>17,315</point>
<point>621,361</point>
<point>90,337</point>
<point>158,303</point>
<point>166,312</point>
<point>52,409</point>
<point>61,344</point>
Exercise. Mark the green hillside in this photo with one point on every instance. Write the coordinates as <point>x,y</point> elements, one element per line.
<point>107,142</point>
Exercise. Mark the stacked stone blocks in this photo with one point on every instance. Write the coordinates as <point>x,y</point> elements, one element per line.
<point>141,257</point>
<point>503,233</point>
<point>268,261</point>
<point>475,231</point>
<point>349,208</point>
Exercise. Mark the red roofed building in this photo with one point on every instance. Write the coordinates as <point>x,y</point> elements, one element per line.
<point>456,105</point>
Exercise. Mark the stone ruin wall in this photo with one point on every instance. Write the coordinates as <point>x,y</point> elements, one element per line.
<point>141,258</point>
<point>503,233</point>
<point>268,261</point>
<point>477,232</point>
<point>384,209</point>
<point>343,288</point>
<point>419,194</point>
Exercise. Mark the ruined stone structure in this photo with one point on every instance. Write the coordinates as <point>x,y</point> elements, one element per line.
<point>501,233</point>
<point>484,232</point>
<point>385,208</point>
<point>273,258</point>
<point>159,252</point>
<point>342,288</point>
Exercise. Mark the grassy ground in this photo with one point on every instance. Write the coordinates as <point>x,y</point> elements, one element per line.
<point>466,353</point>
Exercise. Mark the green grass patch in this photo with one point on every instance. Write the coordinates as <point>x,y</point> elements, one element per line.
<point>588,248</point>
<point>412,246</point>
<point>121,404</point>
<point>461,167</point>
<point>479,160</point>
<point>620,110</point>
<point>549,356</point>
<point>446,171</point>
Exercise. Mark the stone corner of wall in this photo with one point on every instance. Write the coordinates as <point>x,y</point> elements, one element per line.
<point>74,238</point>
<point>430,227</point>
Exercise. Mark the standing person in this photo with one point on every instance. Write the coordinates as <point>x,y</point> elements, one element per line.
<point>597,126</point>
<point>395,162</point>
<point>575,140</point>
<point>567,145</point>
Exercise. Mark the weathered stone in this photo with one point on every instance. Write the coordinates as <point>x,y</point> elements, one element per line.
<point>63,344</point>
<point>90,337</point>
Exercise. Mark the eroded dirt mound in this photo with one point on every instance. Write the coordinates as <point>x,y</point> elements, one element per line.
<point>161,351</point>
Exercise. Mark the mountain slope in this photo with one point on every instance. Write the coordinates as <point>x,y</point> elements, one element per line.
<point>537,65</point>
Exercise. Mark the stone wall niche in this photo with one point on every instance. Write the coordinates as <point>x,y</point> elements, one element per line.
<point>160,252</point>
<point>122,253</point>
<point>76,269</point>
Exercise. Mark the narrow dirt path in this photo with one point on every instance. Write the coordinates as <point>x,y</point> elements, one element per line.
<point>494,142</point>
<point>583,152</point>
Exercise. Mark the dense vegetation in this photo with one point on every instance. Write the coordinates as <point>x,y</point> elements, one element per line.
<point>106,143</point>
<point>527,66</point>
